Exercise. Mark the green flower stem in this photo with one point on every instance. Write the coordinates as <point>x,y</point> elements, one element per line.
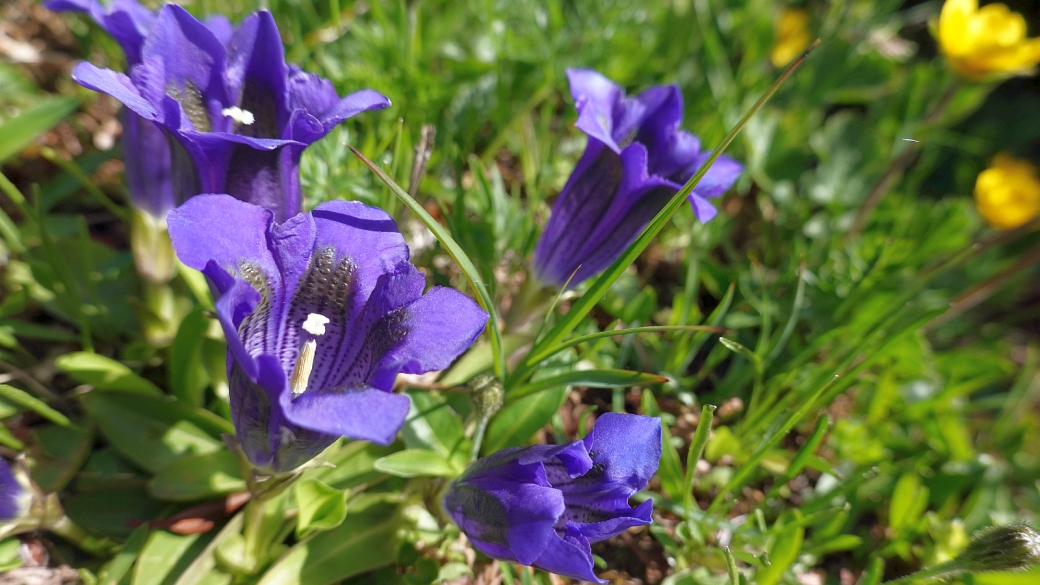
<point>478,436</point>
<point>81,539</point>
<point>947,569</point>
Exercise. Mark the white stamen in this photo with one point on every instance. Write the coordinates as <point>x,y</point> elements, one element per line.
<point>314,326</point>
<point>239,115</point>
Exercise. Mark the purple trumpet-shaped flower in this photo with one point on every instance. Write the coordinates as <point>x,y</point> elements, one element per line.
<point>637,158</point>
<point>543,505</point>
<point>321,313</point>
<point>13,496</point>
<point>237,116</point>
<point>145,147</point>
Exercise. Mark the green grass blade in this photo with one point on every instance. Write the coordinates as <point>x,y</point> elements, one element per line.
<point>597,378</point>
<point>16,396</point>
<point>550,351</point>
<point>458,255</point>
<point>700,440</point>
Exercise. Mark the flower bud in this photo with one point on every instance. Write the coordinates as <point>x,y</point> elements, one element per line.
<point>486,395</point>
<point>1013,547</point>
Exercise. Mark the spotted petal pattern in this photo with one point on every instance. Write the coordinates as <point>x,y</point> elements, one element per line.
<point>348,263</point>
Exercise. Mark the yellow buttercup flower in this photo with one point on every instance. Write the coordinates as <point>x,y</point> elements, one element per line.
<point>791,30</point>
<point>985,42</point>
<point>1007,194</point>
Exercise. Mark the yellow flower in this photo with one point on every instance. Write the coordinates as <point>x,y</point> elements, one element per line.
<point>1008,192</point>
<point>985,42</point>
<point>791,30</point>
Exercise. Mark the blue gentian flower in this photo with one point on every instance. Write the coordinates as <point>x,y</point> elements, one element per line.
<point>14,499</point>
<point>543,505</point>
<point>239,117</point>
<point>636,159</point>
<point>146,151</point>
<point>321,312</point>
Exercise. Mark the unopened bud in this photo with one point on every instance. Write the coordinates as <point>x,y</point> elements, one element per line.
<point>486,395</point>
<point>1013,547</point>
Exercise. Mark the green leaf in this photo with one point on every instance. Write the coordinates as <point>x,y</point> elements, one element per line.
<point>57,454</point>
<point>320,507</point>
<point>9,557</point>
<point>187,373</point>
<point>515,423</point>
<point>162,554</point>
<point>203,569</point>
<point>366,540</point>
<point>198,477</point>
<point>1027,578</point>
<point>112,512</point>
<point>20,131</point>
<point>693,455</point>
<point>592,378</point>
<point>433,425</point>
<point>354,464</point>
<point>617,332</point>
<point>670,471</point>
<point>104,373</point>
<point>113,572</point>
<point>479,359</point>
<point>13,395</point>
<point>416,462</point>
<point>743,351</point>
<point>784,552</point>
<point>458,255</point>
<point>909,500</point>
<point>153,432</point>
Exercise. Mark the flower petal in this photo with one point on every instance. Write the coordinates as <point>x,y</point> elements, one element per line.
<point>11,493</point>
<point>127,21</point>
<point>116,85</point>
<point>597,100</point>
<point>352,105</point>
<point>257,76</point>
<point>505,507</point>
<point>627,446</point>
<point>570,556</point>
<point>360,413</point>
<point>193,61</point>
<point>224,230</point>
<point>723,173</point>
<point>576,213</point>
<point>146,152</point>
<point>638,198</point>
<point>366,235</point>
<point>440,326</point>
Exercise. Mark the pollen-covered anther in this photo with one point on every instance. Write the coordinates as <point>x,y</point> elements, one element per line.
<point>239,115</point>
<point>314,326</point>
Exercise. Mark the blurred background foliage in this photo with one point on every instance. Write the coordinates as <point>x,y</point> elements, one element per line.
<point>876,386</point>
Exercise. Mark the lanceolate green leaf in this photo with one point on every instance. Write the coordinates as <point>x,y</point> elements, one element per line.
<point>364,541</point>
<point>458,255</point>
<point>20,131</point>
<point>416,462</point>
<point>615,332</point>
<point>104,373</point>
<point>596,378</point>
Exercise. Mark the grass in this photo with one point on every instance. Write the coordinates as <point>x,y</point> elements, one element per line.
<point>864,427</point>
